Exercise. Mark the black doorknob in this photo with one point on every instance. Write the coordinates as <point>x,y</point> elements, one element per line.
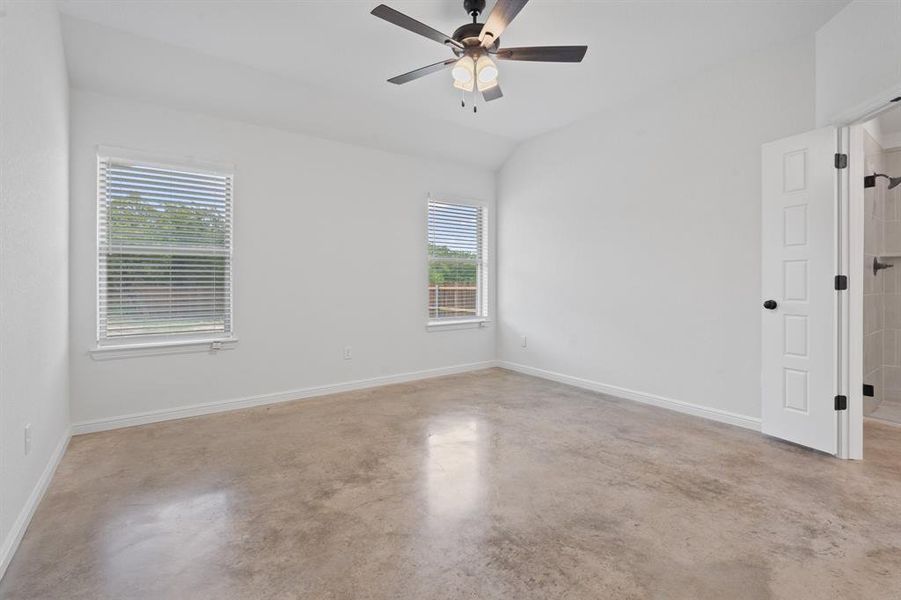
<point>770,305</point>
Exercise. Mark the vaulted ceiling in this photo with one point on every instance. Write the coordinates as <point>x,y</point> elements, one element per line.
<point>321,66</point>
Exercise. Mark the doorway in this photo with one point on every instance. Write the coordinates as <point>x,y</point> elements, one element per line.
<point>831,203</point>
<point>881,285</point>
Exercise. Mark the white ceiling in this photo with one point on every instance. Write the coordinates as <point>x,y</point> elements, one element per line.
<point>335,54</point>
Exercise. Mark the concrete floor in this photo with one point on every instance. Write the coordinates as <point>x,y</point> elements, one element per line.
<point>483,485</point>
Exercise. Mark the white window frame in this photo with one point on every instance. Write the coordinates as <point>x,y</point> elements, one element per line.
<point>106,348</point>
<point>484,284</point>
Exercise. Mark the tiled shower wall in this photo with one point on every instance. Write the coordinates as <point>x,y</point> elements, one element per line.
<point>882,292</point>
<point>873,301</point>
<point>891,284</point>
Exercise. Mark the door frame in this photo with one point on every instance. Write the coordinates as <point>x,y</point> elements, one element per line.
<point>850,237</point>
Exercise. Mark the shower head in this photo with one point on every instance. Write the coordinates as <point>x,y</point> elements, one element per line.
<point>870,180</point>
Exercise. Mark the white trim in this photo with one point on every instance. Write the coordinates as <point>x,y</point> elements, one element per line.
<point>866,110</point>
<point>11,543</point>
<point>167,160</point>
<point>156,348</point>
<point>450,324</point>
<point>851,240</point>
<point>217,406</point>
<point>713,414</point>
<point>452,199</point>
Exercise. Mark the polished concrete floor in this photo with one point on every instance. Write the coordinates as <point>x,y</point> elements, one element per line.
<point>484,485</point>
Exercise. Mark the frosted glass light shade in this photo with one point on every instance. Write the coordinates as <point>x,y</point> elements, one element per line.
<point>486,70</point>
<point>487,86</point>
<point>463,70</point>
<point>466,86</point>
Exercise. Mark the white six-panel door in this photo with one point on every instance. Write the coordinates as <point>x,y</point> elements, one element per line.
<point>799,265</point>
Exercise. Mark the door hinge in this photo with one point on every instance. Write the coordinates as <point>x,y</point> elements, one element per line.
<point>841,161</point>
<point>868,390</point>
<point>841,282</point>
<point>841,403</point>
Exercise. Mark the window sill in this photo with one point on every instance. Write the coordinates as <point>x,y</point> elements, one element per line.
<point>453,324</point>
<point>157,348</point>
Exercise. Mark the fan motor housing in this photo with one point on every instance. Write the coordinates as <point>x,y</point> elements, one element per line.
<point>468,35</point>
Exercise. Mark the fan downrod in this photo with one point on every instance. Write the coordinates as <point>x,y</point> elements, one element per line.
<point>474,8</point>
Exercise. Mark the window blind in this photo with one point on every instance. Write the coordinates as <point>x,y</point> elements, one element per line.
<point>457,261</point>
<point>164,253</point>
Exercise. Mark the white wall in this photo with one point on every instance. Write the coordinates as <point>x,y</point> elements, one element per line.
<point>629,243</point>
<point>858,59</point>
<point>329,252</point>
<point>33,259</point>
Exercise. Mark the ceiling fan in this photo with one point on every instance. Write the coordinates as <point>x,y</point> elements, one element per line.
<point>476,47</point>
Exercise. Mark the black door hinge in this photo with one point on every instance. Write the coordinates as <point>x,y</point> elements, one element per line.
<point>841,161</point>
<point>868,390</point>
<point>841,403</point>
<point>841,282</point>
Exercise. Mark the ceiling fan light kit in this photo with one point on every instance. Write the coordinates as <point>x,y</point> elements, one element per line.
<point>469,73</point>
<point>476,47</point>
<point>486,69</point>
<point>462,71</point>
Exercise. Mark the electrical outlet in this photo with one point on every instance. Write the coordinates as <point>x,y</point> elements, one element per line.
<point>27,439</point>
<point>347,353</point>
<point>524,342</point>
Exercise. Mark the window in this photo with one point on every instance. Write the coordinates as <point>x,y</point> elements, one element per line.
<point>164,253</point>
<point>458,278</point>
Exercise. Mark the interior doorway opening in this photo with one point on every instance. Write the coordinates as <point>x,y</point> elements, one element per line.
<point>881,285</point>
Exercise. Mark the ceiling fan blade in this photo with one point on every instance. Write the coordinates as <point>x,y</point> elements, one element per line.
<point>492,93</point>
<point>423,71</point>
<point>410,24</point>
<point>501,15</point>
<point>544,53</point>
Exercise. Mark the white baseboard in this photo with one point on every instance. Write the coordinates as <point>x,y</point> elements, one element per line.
<point>11,543</point>
<point>714,414</point>
<point>206,408</point>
